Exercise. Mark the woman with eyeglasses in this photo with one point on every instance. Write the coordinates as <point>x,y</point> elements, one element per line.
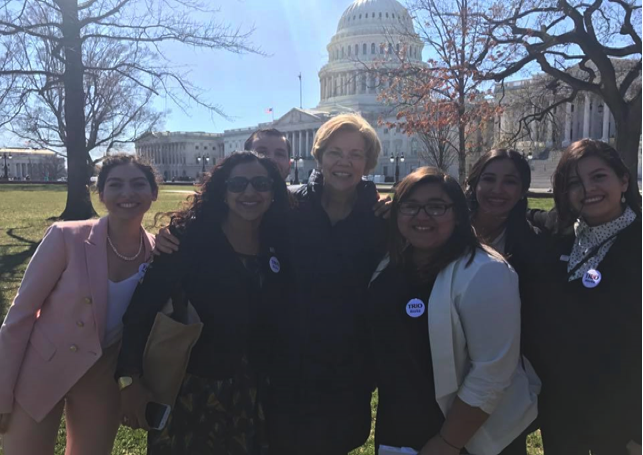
<point>231,269</point>
<point>445,329</point>
<point>584,335</point>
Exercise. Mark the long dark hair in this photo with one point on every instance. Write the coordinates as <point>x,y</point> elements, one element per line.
<point>569,161</point>
<point>463,240</point>
<point>208,207</point>
<point>517,218</point>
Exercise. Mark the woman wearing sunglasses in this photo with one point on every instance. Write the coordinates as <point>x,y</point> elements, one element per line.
<point>231,270</point>
<point>446,329</point>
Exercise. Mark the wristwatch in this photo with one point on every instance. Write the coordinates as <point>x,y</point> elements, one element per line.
<point>124,382</point>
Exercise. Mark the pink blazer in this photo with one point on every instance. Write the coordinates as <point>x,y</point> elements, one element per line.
<point>53,331</point>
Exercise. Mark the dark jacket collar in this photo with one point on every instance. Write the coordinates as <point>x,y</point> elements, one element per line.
<point>366,192</point>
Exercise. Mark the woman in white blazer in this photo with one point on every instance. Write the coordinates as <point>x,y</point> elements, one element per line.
<point>446,330</point>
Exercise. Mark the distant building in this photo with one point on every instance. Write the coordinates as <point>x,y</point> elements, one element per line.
<point>36,164</point>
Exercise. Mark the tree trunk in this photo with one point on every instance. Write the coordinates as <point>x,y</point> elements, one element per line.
<point>79,204</point>
<point>462,155</point>
<point>628,139</point>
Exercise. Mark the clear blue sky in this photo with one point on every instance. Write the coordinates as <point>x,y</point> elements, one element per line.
<point>294,34</point>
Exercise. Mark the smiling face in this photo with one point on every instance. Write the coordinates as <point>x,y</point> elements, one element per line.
<point>275,149</point>
<point>499,188</point>
<point>127,193</point>
<point>594,191</point>
<point>427,233</point>
<point>249,204</point>
<point>343,162</point>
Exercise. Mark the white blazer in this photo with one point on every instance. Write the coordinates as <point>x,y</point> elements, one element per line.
<point>474,331</point>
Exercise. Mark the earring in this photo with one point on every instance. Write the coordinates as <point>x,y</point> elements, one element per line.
<point>623,198</point>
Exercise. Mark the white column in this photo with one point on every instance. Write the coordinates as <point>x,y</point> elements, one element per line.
<point>586,116</point>
<point>568,125</point>
<point>307,147</point>
<point>606,123</point>
<point>301,146</point>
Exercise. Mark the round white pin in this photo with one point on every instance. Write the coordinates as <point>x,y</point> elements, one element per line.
<point>415,308</point>
<point>592,278</point>
<point>275,266</point>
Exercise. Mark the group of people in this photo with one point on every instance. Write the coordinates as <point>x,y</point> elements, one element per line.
<point>477,319</point>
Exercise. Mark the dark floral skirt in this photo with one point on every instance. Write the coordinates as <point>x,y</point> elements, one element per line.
<point>214,417</point>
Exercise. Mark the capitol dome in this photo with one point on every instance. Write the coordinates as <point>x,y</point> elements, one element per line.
<point>370,32</point>
<point>381,13</point>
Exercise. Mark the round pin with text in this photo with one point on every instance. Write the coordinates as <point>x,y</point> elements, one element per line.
<point>415,308</point>
<point>591,278</point>
<point>275,266</point>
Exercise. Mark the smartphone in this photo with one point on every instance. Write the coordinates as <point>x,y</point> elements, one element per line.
<point>156,415</point>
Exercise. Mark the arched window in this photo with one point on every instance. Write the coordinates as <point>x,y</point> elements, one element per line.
<point>360,16</point>
<point>387,15</point>
<point>349,50</point>
<point>373,16</point>
<point>393,16</point>
<point>342,51</point>
<point>380,15</point>
<point>397,48</point>
<point>356,49</point>
<point>381,48</point>
<point>390,48</point>
<point>372,48</point>
<point>364,49</point>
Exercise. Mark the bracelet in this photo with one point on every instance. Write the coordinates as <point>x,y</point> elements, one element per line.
<point>448,443</point>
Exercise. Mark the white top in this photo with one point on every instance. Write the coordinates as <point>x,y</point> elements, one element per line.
<point>118,298</point>
<point>474,332</point>
<point>500,243</point>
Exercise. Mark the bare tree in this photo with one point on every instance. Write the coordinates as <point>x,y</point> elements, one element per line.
<point>458,40</point>
<point>80,75</point>
<point>586,47</point>
<point>51,168</point>
<point>438,146</point>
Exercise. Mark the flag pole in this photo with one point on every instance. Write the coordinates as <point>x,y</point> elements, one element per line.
<point>300,103</point>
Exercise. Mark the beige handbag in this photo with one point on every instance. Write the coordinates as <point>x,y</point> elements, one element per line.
<point>176,329</point>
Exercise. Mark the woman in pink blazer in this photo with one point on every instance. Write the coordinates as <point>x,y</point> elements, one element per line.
<point>60,340</point>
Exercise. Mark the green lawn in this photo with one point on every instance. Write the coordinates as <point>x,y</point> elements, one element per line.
<point>24,210</point>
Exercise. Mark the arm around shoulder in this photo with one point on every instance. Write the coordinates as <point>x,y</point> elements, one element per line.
<point>43,273</point>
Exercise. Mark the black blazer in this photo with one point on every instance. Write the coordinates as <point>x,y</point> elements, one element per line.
<point>585,345</point>
<point>235,307</point>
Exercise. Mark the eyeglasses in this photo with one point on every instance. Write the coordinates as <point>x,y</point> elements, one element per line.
<point>431,209</point>
<point>260,183</point>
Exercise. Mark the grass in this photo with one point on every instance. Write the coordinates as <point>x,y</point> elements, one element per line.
<point>24,213</point>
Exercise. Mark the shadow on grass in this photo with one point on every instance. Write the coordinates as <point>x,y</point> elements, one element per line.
<point>10,265</point>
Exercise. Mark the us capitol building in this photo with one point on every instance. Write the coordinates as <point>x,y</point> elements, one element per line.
<point>369,31</point>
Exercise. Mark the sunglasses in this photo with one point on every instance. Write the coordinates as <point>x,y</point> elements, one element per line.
<point>260,183</point>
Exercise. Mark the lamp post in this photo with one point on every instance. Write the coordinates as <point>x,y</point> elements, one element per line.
<point>397,159</point>
<point>203,159</point>
<point>296,160</point>
<point>5,167</point>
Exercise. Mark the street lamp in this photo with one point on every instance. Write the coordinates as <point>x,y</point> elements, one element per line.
<point>296,160</point>
<point>6,166</point>
<point>203,159</point>
<point>397,159</point>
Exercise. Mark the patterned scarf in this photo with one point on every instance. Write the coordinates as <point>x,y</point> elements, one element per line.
<point>588,237</point>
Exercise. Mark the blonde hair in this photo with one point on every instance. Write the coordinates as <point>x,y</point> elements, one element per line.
<point>348,122</point>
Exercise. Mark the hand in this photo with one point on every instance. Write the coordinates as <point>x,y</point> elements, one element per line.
<point>134,399</point>
<point>4,422</point>
<point>165,242</point>
<point>632,447</point>
<point>437,446</point>
<point>382,208</point>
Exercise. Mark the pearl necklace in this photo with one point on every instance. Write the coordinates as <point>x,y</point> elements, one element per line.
<point>122,256</point>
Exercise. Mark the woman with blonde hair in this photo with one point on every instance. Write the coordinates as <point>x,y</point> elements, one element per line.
<point>321,387</point>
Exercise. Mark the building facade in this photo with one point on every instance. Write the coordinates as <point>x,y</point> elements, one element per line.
<point>18,163</point>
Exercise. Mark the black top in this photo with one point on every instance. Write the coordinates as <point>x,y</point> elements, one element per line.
<point>322,370</point>
<point>407,413</point>
<point>586,347</point>
<point>232,295</point>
